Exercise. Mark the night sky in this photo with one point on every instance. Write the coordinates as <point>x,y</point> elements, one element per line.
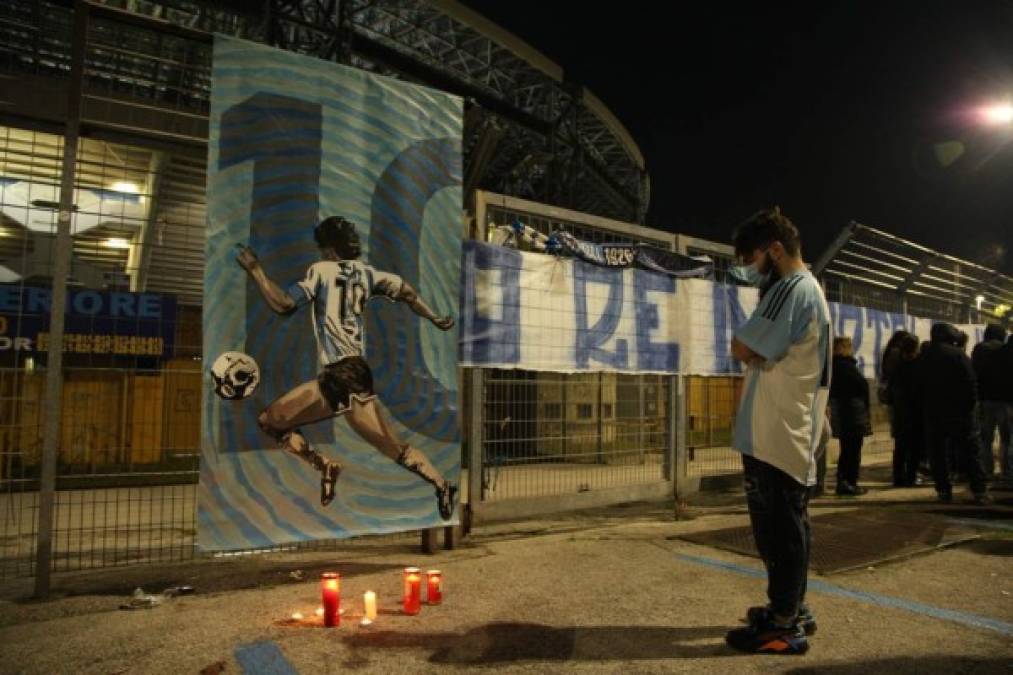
<point>837,112</point>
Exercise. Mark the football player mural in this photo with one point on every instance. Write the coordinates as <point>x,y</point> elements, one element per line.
<point>337,289</point>
<point>331,280</point>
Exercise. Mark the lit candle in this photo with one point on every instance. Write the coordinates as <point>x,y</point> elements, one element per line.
<point>434,587</point>
<point>412,590</point>
<point>330,589</point>
<point>369,602</point>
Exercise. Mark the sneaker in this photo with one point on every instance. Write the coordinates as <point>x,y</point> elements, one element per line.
<point>328,479</point>
<point>846,490</point>
<point>445,498</point>
<point>806,621</point>
<point>768,638</point>
<point>984,499</point>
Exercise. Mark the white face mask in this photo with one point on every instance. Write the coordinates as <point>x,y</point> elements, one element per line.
<point>750,274</point>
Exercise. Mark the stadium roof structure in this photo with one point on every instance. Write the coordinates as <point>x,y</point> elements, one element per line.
<point>529,131</point>
<point>864,261</point>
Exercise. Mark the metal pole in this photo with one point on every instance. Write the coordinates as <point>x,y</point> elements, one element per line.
<point>681,466</point>
<point>475,433</point>
<point>61,266</point>
<point>601,423</point>
<point>643,415</point>
<point>836,245</point>
<point>672,432</point>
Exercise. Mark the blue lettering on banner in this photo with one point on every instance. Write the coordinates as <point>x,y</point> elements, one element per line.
<point>87,302</point>
<point>10,299</point>
<point>652,355</point>
<point>97,316</point>
<point>122,304</point>
<point>116,305</point>
<point>38,300</point>
<point>491,340</point>
<point>597,336</point>
<point>589,339</point>
<point>148,307</point>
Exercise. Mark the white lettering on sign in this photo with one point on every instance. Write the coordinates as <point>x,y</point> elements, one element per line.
<point>622,257</point>
<point>19,344</point>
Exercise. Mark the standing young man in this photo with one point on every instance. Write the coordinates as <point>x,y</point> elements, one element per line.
<point>786,345</point>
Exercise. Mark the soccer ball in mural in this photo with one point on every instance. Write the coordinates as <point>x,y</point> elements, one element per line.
<point>236,375</point>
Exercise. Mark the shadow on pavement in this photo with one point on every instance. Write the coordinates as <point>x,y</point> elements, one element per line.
<point>511,642</point>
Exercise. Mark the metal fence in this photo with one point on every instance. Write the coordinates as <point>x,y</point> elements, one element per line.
<point>126,471</point>
<point>711,404</point>
<point>128,442</point>
<point>549,434</point>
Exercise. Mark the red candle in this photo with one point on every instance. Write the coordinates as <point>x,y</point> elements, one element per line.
<point>412,590</point>
<point>434,587</point>
<point>330,589</point>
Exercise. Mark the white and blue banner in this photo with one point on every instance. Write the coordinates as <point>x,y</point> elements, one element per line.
<point>295,140</point>
<point>538,312</point>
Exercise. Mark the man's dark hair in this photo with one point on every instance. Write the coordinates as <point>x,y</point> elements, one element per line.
<point>762,229</point>
<point>945,333</point>
<point>908,344</point>
<point>994,331</point>
<point>901,342</point>
<point>333,232</point>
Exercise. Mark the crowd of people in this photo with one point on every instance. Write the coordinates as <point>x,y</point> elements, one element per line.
<point>945,410</point>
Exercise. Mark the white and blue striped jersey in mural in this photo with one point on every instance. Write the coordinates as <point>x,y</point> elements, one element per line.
<point>781,413</point>
<point>339,290</point>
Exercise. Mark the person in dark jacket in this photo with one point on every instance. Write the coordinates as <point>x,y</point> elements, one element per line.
<point>889,362</point>
<point>905,404</point>
<point>821,459</point>
<point>995,410</point>
<point>849,415</point>
<point>949,398</point>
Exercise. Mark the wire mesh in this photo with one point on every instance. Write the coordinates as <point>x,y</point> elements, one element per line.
<point>711,406</point>
<point>547,434</point>
<point>129,429</point>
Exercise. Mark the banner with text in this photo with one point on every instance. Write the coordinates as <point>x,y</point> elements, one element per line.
<point>538,312</point>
